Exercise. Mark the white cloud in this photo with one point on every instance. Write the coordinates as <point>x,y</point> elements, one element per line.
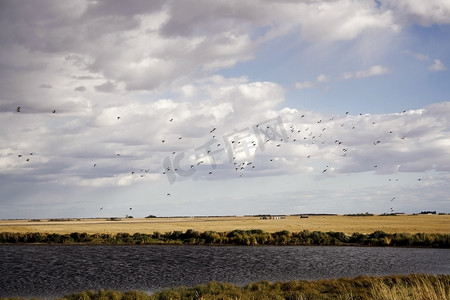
<point>437,66</point>
<point>304,85</point>
<point>342,20</point>
<point>372,71</point>
<point>322,78</point>
<point>422,12</point>
<point>419,56</point>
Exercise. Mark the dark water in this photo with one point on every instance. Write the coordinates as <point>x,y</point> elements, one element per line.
<point>51,271</point>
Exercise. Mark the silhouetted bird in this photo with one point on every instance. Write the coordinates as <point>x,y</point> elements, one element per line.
<point>54,111</point>
<point>18,109</point>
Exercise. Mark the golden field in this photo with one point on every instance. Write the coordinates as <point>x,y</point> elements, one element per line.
<point>346,224</point>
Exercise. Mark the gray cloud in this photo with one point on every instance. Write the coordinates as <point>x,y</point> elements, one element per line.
<point>106,87</point>
<point>80,89</point>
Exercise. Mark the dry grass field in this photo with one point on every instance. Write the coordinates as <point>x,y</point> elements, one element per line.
<point>347,224</point>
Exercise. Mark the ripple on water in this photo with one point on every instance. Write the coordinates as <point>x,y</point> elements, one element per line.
<point>55,270</point>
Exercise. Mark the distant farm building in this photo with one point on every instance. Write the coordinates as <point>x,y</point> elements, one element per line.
<point>274,217</point>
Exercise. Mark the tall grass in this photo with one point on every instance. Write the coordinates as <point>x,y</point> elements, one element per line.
<point>424,287</point>
<point>236,237</point>
<point>406,287</point>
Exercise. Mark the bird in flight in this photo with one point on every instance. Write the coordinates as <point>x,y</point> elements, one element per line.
<point>18,109</point>
<point>54,111</point>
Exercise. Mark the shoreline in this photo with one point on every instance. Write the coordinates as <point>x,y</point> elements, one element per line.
<point>398,287</point>
<point>237,237</point>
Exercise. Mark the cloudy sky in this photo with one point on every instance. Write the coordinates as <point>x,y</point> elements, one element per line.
<point>115,108</point>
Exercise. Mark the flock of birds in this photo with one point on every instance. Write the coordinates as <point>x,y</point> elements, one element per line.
<point>314,134</point>
<point>308,134</point>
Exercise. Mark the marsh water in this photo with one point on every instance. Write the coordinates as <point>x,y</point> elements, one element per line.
<point>51,271</point>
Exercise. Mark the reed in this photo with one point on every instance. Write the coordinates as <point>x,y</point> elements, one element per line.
<point>236,237</point>
<point>407,287</point>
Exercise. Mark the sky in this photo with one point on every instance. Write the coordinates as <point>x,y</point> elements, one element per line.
<point>207,108</point>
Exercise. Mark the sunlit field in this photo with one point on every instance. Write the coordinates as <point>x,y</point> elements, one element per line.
<point>346,224</point>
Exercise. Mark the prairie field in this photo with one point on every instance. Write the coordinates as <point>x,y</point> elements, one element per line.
<point>346,224</point>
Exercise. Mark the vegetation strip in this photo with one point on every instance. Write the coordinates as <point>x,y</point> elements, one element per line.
<point>235,237</point>
<point>406,287</point>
